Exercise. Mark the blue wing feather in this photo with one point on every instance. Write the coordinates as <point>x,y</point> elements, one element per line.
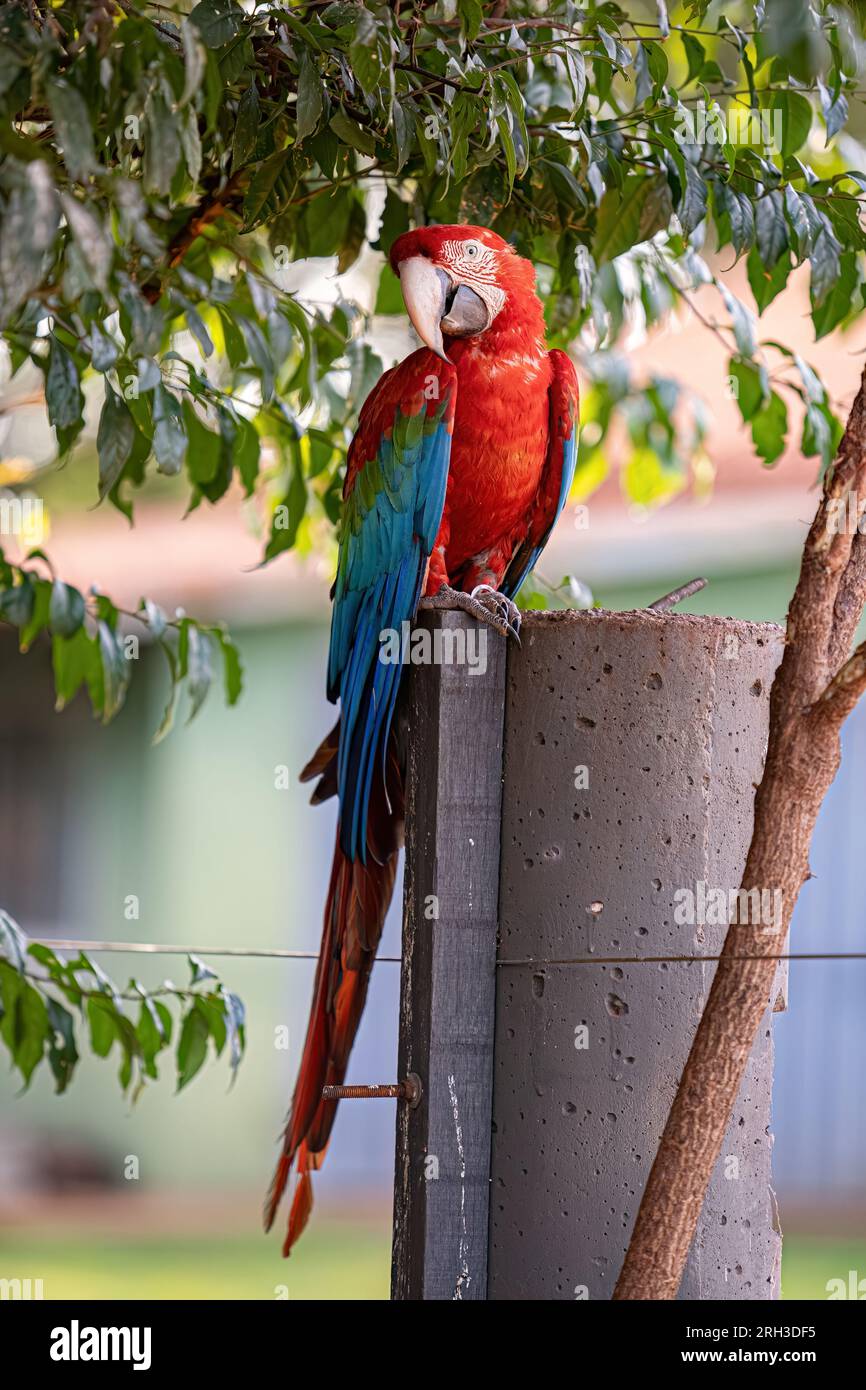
<point>392,514</point>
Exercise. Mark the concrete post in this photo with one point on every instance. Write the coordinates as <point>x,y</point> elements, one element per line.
<point>632,743</point>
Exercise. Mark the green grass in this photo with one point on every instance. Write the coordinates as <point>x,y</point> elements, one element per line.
<point>347,1263</point>
<point>810,1261</point>
<point>350,1261</point>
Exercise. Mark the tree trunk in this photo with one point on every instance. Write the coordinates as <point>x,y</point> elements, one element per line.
<point>814,690</point>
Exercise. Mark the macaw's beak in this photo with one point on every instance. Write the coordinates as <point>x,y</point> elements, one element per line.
<point>435,305</point>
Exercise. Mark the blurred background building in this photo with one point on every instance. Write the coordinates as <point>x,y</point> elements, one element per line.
<point>219,855</point>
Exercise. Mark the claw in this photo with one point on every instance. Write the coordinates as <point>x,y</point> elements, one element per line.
<point>485,604</point>
<point>506,607</point>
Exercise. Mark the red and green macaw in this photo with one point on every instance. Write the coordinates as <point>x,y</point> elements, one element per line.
<point>462,462</point>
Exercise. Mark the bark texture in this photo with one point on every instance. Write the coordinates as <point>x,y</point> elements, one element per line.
<point>815,688</point>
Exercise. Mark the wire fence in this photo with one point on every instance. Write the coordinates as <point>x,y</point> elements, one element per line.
<point>278,953</point>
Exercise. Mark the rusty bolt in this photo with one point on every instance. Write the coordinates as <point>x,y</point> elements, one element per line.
<point>408,1090</point>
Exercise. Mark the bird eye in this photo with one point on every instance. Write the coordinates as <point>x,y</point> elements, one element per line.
<point>472,248</point>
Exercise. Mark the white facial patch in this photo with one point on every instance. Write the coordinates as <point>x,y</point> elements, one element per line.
<point>474,265</point>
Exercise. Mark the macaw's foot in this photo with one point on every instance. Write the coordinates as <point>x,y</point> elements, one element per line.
<point>485,604</point>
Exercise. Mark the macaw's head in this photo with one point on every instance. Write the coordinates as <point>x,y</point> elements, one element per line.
<point>463,282</point>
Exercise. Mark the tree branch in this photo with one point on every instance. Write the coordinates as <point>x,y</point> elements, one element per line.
<point>846,687</point>
<point>808,704</point>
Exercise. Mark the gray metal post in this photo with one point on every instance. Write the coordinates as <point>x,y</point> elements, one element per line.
<point>632,742</point>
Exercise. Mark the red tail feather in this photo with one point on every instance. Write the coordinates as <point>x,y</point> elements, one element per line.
<point>358,898</point>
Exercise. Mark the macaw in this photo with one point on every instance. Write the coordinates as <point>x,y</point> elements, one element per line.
<point>462,462</point>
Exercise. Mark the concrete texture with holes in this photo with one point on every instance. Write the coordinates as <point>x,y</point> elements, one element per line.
<point>668,717</point>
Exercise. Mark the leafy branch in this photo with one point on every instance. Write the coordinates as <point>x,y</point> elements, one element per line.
<point>90,649</point>
<point>36,985</point>
<point>161,178</point>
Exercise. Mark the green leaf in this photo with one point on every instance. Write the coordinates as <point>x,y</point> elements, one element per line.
<point>352,134</point>
<point>66,611</point>
<point>115,671</point>
<point>13,942</point>
<point>114,440</point>
<point>162,147</point>
<point>796,119</point>
<point>63,394</point>
<point>839,300</point>
<point>77,661</point>
<point>771,227</point>
<point>289,511</point>
<point>364,50</point>
<point>94,243</point>
<point>737,208</point>
<point>310,105</point>
<point>751,387</point>
<point>353,238</point>
<point>235,1018</point>
<point>246,127</point>
<point>191,1047</point>
<point>798,220</point>
<point>825,261</point>
<point>217,21</point>
<point>73,126</point>
<point>103,349</point>
<point>30,1031</point>
<point>30,222</point>
<point>154,617</point>
<point>195,60</point>
<point>62,1051</point>
<point>190,143</point>
<point>151,1038</point>
<point>692,208</point>
<point>259,354</point>
<point>167,722</point>
<point>232,669</point>
<point>271,189</point>
<point>246,447</point>
<point>822,433</point>
<point>769,428</point>
<point>741,322</point>
<point>834,109</point>
<point>658,66</point>
<point>194,661</point>
<point>39,617</point>
<point>199,971</point>
<point>101,1016</point>
<point>471,15</point>
<point>505,139</point>
<point>205,448</point>
<point>169,435</point>
<point>695,55</point>
<point>766,284</point>
<point>17,603</point>
<point>635,214</point>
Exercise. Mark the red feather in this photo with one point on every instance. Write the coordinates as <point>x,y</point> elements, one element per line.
<point>516,404</point>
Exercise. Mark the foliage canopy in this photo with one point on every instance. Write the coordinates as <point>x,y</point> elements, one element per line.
<point>162,174</point>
